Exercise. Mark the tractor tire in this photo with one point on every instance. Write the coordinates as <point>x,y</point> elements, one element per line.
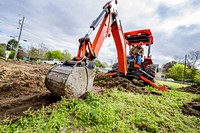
<point>115,67</point>
<point>151,70</point>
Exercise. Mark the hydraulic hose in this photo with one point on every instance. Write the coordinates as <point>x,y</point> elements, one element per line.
<point>96,22</point>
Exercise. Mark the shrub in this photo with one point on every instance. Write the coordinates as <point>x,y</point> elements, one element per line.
<point>12,54</point>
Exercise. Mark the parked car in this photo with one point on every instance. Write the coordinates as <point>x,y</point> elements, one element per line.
<point>170,79</point>
<point>52,61</point>
<point>104,70</point>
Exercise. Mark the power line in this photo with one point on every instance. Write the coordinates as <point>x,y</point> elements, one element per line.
<point>32,33</point>
<point>24,29</point>
<point>8,23</point>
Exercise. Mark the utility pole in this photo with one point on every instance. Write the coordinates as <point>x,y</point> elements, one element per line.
<point>21,22</point>
<point>184,74</point>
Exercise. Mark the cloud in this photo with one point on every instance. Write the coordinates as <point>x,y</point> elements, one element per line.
<point>195,3</point>
<point>165,12</point>
<point>183,40</point>
<point>59,24</point>
<point>162,59</point>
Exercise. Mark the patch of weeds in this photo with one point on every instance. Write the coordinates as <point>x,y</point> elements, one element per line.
<point>113,111</point>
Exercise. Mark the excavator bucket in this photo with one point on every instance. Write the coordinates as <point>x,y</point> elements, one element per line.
<point>69,81</point>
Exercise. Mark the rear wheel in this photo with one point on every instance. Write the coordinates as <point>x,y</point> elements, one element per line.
<point>114,68</point>
<point>151,71</point>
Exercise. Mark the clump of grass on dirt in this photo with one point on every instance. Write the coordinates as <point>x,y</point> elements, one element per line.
<point>113,111</point>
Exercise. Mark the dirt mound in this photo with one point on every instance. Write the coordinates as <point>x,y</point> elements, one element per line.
<point>22,87</point>
<point>192,108</point>
<point>21,79</point>
<point>195,89</point>
<point>106,82</point>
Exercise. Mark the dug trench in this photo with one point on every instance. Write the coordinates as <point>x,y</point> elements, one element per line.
<point>22,88</point>
<point>193,107</point>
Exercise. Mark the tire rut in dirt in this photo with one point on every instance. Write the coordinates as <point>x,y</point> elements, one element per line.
<point>13,109</point>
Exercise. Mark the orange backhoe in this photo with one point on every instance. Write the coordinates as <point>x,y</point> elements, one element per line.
<point>75,77</point>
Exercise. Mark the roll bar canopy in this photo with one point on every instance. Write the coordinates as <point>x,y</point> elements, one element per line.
<point>136,36</point>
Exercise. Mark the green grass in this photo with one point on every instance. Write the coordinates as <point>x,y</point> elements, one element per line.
<point>2,58</point>
<point>172,84</point>
<point>114,111</point>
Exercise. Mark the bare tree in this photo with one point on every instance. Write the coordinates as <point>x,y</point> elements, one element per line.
<point>178,59</point>
<point>32,52</point>
<point>66,55</point>
<point>193,59</point>
<point>168,65</point>
<point>42,49</point>
<point>21,53</point>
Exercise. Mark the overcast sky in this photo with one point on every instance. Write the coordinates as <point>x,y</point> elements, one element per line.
<point>175,24</point>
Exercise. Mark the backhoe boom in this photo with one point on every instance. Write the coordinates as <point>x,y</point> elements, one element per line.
<point>75,77</point>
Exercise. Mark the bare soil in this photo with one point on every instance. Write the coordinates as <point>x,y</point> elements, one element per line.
<point>123,84</point>
<point>22,88</point>
<point>192,108</point>
<point>195,89</point>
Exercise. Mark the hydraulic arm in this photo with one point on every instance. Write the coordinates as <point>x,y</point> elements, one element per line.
<point>75,77</point>
<point>109,25</point>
